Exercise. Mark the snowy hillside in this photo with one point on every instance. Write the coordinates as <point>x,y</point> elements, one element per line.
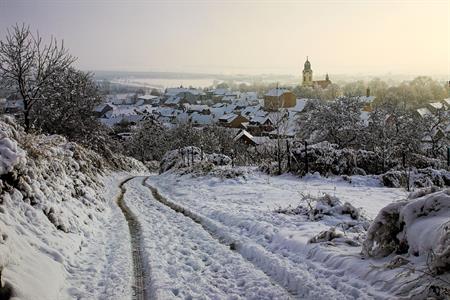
<point>55,200</point>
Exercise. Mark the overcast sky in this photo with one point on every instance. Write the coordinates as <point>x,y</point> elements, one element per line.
<point>248,36</point>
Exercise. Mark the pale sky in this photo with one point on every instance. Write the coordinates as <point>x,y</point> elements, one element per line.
<point>246,36</point>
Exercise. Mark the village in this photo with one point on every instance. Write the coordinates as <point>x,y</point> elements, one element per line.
<point>254,119</point>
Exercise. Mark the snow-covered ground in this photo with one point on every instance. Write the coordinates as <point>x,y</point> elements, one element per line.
<point>64,236</point>
<point>241,212</point>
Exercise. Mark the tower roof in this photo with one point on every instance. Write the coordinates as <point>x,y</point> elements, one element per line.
<point>307,64</point>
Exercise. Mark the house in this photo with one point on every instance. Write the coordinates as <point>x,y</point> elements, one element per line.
<point>220,109</point>
<point>299,105</point>
<point>245,137</point>
<point>120,99</point>
<point>200,109</point>
<point>423,112</point>
<point>148,99</point>
<point>190,95</point>
<point>248,96</point>
<point>367,102</point>
<point>232,120</point>
<point>446,102</point>
<point>217,94</point>
<point>279,98</point>
<point>435,106</point>
<point>197,118</point>
<point>101,109</point>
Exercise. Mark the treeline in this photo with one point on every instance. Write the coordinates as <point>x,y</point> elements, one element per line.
<point>390,135</point>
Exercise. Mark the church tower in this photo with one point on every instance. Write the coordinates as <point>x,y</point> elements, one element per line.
<point>307,74</point>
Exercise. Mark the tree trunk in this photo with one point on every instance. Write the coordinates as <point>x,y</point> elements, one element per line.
<point>26,119</point>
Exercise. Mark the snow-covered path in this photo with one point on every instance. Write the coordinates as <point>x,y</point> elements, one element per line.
<point>186,261</point>
<point>139,291</point>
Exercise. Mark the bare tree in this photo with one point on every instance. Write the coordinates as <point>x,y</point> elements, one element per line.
<point>27,65</point>
<point>71,97</point>
<point>337,122</point>
<point>280,120</point>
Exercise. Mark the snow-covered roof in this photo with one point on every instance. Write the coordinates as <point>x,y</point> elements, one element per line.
<point>201,119</point>
<point>260,119</point>
<point>436,105</point>
<point>446,101</point>
<point>299,105</point>
<point>229,98</point>
<point>423,112</point>
<point>147,97</point>
<point>99,108</point>
<point>217,105</point>
<point>223,110</point>
<point>250,110</point>
<point>228,118</point>
<point>196,107</point>
<point>366,99</point>
<point>243,133</point>
<point>166,112</point>
<point>220,92</point>
<point>277,92</point>
<point>248,96</point>
<point>117,119</point>
<point>173,100</point>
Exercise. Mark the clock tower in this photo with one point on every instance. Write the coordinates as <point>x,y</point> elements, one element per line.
<point>307,74</point>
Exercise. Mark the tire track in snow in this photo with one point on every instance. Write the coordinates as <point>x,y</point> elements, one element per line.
<point>139,292</point>
<point>262,260</point>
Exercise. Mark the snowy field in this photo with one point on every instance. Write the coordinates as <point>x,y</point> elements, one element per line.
<point>208,237</point>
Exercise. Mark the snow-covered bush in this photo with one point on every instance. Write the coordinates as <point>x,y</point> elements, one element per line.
<point>328,159</point>
<point>418,227</point>
<point>417,177</point>
<point>192,158</point>
<point>10,155</point>
<point>317,208</point>
<point>334,236</point>
<point>329,205</point>
<point>343,217</point>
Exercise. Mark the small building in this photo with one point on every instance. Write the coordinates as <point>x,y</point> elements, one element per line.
<point>197,118</point>
<point>200,109</point>
<point>279,98</point>
<point>101,109</point>
<point>232,120</point>
<point>148,99</point>
<point>245,137</point>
